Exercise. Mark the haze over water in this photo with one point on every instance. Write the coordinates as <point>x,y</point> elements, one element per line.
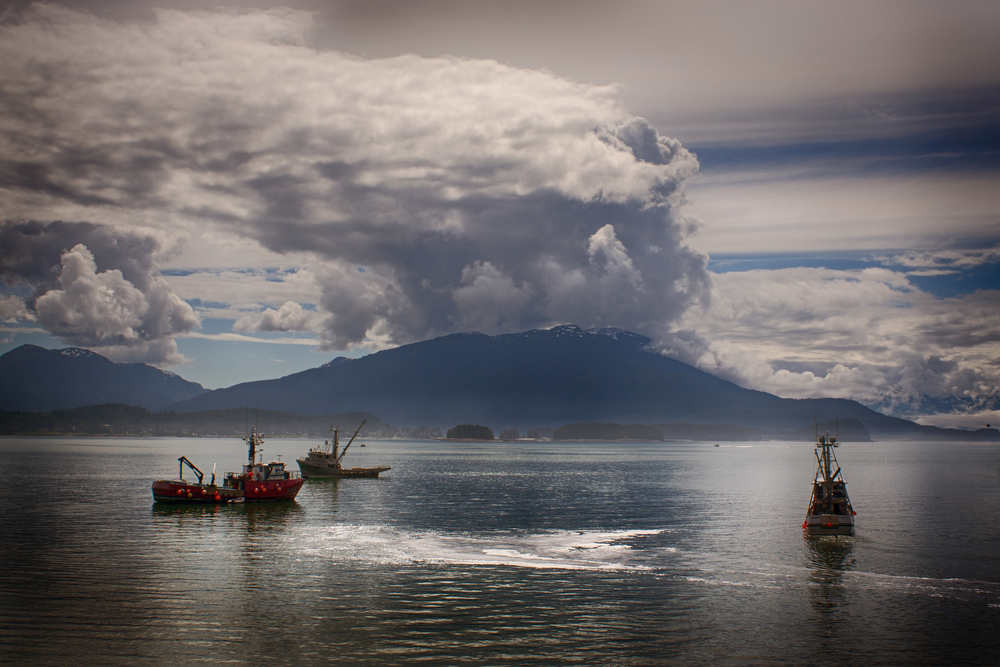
<point>502,553</point>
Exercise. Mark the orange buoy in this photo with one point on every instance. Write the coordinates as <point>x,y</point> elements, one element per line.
<point>217,497</point>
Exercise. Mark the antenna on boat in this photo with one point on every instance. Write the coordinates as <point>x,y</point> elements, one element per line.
<point>256,429</point>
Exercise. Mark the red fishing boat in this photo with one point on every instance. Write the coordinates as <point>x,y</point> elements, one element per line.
<point>261,482</point>
<point>258,482</point>
<point>180,491</point>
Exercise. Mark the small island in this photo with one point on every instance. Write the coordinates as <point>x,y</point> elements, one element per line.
<point>470,432</point>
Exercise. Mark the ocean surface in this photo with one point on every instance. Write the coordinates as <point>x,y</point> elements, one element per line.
<point>519,553</point>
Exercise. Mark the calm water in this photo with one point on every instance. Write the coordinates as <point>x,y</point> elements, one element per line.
<point>501,554</point>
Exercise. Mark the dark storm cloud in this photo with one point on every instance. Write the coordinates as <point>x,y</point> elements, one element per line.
<point>438,194</point>
<point>33,249</point>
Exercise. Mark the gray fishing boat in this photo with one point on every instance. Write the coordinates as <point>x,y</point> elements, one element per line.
<point>324,461</point>
<point>830,511</point>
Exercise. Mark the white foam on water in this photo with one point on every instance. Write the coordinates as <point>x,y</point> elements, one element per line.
<point>779,576</point>
<point>568,550</point>
<point>729,583</point>
<point>952,588</point>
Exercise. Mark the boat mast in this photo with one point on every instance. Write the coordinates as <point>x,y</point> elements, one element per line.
<point>253,439</point>
<point>828,483</point>
<point>826,461</point>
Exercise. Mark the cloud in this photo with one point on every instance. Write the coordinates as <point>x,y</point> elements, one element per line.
<point>487,298</point>
<point>755,210</point>
<point>230,294</point>
<point>290,317</point>
<point>941,262</point>
<point>12,308</point>
<point>96,308</point>
<point>430,193</point>
<point>867,334</point>
<point>239,338</point>
<point>617,266</point>
<point>95,287</point>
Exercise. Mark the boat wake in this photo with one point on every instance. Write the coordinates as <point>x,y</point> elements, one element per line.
<point>566,550</point>
<point>783,577</point>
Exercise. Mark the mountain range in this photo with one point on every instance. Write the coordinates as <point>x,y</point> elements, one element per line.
<point>539,378</point>
<point>34,379</point>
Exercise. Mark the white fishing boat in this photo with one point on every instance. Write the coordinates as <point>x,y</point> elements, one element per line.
<point>830,511</point>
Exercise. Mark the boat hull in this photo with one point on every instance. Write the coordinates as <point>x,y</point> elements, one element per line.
<point>175,491</point>
<point>829,524</point>
<point>313,470</point>
<point>271,490</point>
<point>362,472</point>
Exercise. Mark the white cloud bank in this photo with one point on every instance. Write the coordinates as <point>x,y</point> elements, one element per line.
<point>867,334</point>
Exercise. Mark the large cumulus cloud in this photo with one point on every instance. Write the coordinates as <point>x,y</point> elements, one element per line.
<point>435,194</point>
<point>95,286</point>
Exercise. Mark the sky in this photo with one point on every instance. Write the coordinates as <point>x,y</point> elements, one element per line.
<point>800,197</point>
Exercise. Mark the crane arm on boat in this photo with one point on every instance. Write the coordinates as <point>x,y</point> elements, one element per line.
<point>351,440</point>
<point>182,461</point>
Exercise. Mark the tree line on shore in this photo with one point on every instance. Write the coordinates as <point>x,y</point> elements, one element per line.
<point>119,419</point>
<point>849,430</point>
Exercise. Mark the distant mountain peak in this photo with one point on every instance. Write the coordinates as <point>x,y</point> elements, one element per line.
<point>79,353</point>
<point>336,362</point>
<point>621,334</point>
<point>568,330</point>
<point>575,331</point>
<point>36,379</point>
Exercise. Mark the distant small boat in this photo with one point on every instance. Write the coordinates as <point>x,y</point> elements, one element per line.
<point>324,461</point>
<point>830,511</point>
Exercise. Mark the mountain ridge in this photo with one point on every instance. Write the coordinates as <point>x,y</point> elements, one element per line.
<point>36,379</point>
